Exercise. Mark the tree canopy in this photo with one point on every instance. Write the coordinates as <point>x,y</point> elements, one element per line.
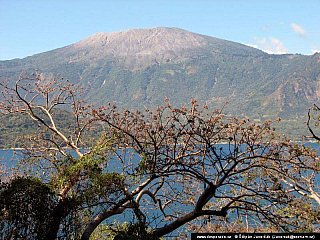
<point>166,168</point>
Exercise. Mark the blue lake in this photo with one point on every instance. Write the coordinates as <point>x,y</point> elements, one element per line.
<point>8,158</point>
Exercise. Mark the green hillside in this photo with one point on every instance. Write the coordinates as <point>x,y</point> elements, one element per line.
<point>140,67</point>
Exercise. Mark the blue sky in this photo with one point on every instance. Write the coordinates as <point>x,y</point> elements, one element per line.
<point>30,27</point>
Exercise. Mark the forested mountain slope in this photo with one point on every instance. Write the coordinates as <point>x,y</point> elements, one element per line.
<point>138,68</point>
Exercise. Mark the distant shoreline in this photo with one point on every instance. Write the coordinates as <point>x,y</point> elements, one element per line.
<point>223,143</point>
<point>4,149</point>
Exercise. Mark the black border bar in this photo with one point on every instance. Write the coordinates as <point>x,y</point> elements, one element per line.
<point>254,236</point>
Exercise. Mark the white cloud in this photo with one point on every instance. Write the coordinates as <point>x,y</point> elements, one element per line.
<point>315,49</point>
<point>271,45</point>
<point>278,45</point>
<point>251,45</point>
<point>298,29</point>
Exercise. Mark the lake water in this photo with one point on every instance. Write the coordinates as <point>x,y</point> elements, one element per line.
<point>8,158</point>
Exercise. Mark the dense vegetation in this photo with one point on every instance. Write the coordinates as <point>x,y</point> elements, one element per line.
<point>15,129</point>
<point>256,85</point>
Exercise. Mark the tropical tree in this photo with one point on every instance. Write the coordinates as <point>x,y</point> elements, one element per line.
<point>162,169</point>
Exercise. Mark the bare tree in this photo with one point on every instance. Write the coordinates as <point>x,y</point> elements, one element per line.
<point>48,151</point>
<point>167,167</point>
<point>183,162</point>
<point>39,97</point>
<point>304,184</point>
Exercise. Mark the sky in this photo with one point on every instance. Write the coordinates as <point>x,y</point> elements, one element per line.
<point>28,27</point>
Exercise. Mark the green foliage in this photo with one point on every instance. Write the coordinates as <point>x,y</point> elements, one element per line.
<point>95,182</point>
<point>123,231</point>
<point>26,207</point>
<point>306,216</point>
<point>145,165</point>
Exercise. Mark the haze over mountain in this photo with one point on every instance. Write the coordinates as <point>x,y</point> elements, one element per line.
<point>140,67</point>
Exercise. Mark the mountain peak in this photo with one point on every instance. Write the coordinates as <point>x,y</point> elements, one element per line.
<point>151,41</point>
<point>138,68</point>
<point>159,43</point>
